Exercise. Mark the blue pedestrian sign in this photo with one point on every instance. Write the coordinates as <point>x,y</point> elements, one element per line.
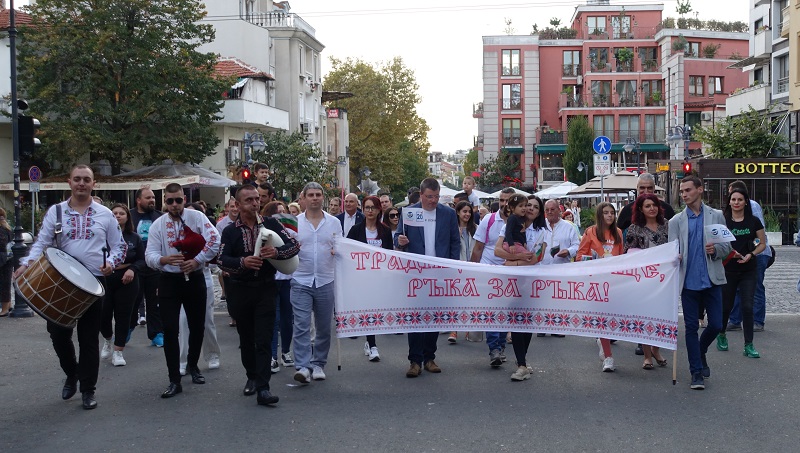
<point>602,145</point>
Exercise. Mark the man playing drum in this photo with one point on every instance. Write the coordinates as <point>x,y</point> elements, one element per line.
<point>87,230</point>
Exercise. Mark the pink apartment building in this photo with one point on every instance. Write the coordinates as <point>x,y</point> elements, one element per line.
<point>621,66</point>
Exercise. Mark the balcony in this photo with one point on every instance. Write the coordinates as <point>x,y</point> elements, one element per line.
<point>785,21</point>
<point>762,43</point>
<point>599,66</point>
<point>513,144</point>
<point>782,86</point>
<point>280,20</point>
<point>626,66</point>
<point>478,142</point>
<point>477,110</point>
<point>248,114</point>
<point>617,137</point>
<point>742,99</point>
<point>550,137</point>
<point>650,65</point>
<point>571,70</point>
<point>511,103</point>
<point>589,100</point>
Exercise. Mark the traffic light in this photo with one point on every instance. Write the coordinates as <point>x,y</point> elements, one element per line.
<point>687,168</point>
<point>27,136</point>
<point>245,175</point>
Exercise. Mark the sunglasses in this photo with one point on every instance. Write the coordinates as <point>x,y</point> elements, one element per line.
<point>178,200</point>
<point>394,216</point>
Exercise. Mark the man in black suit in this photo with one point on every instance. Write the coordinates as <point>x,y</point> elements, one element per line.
<point>351,215</point>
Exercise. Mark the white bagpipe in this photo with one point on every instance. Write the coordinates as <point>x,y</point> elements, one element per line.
<point>271,238</point>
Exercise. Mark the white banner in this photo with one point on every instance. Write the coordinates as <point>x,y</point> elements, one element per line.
<point>717,234</point>
<point>630,297</point>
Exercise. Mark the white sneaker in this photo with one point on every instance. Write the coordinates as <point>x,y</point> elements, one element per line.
<point>608,365</point>
<point>142,320</point>
<point>317,374</point>
<point>183,369</point>
<point>302,376</point>
<point>287,360</point>
<point>366,348</point>
<point>374,356</point>
<point>274,366</point>
<point>106,351</point>
<point>213,362</point>
<point>521,374</point>
<point>117,359</point>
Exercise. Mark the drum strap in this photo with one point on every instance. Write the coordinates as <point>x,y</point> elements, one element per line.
<point>58,229</point>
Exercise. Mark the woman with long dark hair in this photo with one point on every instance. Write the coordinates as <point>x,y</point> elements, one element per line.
<point>599,241</point>
<point>391,218</point>
<point>741,271</point>
<point>373,232</point>
<point>466,229</point>
<point>122,287</point>
<point>648,229</point>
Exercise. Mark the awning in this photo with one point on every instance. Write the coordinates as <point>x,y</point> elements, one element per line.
<point>749,61</point>
<point>242,82</point>
<point>122,184</point>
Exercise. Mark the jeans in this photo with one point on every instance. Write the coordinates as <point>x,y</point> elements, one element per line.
<point>691,301</point>
<point>742,286</point>
<point>88,328</point>
<point>305,301</point>
<point>253,308</point>
<point>422,346</point>
<point>210,343</point>
<point>283,318</point>
<point>175,292</point>
<point>496,340</point>
<point>118,304</point>
<point>759,299</point>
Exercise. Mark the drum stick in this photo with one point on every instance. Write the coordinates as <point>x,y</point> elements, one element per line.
<point>338,353</point>
<point>675,365</point>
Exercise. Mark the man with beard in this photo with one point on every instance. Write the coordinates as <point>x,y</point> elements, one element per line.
<point>143,216</point>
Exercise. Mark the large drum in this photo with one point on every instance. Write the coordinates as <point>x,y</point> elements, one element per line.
<point>58,287</point>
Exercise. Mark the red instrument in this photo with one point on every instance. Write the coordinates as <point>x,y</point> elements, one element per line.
<point>191,245</point>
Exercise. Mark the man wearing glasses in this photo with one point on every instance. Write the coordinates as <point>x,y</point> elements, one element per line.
<point>181,282</point>
<point>438,237</point>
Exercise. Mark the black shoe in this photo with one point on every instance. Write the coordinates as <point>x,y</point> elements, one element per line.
<point>557,335</point>
<point>639,350</point>
<point>264,398</point>
<point>173,389</point>
<point>70,387</point>
<point>250,387</point>
<point>89,402</point>
<point>706,372</point>
<point>197,378</point>
<point>539,335</point>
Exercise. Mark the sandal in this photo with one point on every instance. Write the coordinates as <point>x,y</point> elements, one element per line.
<point>661,362</point>
<point>647,366</point>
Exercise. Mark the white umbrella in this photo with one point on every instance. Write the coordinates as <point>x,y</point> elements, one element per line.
<point>557,191</point>
<point>497,194</point>
<point>177,170</point>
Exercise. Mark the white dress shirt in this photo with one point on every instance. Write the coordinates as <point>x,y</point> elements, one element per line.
<point>563,235</point>
<point>349,221</point>
<point>498,225</point>
<point>316,260</point>
<point>83,236</point>
<point>165,231</point>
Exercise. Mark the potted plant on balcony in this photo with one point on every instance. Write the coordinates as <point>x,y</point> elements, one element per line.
<point>710,50</point>
<point>624,59</point>
<point>655,98</point>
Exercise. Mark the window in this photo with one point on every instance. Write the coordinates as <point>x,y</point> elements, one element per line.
<point>758,76</point>
<point>597,25</point>
<point>695,85</point>
<point>782,74</point>
<point>714,85</point>
<point>302,54</point>
<point>511,62</point>
<point>551,160</point>
<point>693,49</point>
<point>653,92</point>
<point>626,92</point>
<point>603,125</point>
<point>598,56</point>
<point>511,97</point>
<point>601,93</point>
<point>621,26</point>
<point>649,57</point>
<point>654,129</point>
<point>512,132</point>
<point>572,63</point>
<point>629,126</point>
<point>759,23</point>
<point>691,119</point>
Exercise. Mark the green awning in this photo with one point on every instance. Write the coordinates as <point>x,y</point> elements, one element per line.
<point>615,148</point>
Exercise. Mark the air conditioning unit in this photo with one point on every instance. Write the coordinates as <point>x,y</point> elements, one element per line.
<point>305,128</point>
<point>232,154</point>
<point>330,149</point>
<point>706,116</point>
<point>580,81</point>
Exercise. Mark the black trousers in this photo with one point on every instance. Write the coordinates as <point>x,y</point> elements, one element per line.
<point>173,292</point>
<point>521,341</point>
<point>252,305</point>
<point>118,304</point>
<point>85,368</point>
<point>148,286</point>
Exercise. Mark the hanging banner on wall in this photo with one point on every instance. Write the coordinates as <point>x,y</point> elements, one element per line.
<point>631,297</point>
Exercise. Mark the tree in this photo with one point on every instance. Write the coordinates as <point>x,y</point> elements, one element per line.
<point>471,162</point>
<point>747,135</point>
<point>497,172</point>
<point>293,162</point>
<point>579,149</point>
<point>386,133</point>
<point>683,7</point>
<point>121,79</point>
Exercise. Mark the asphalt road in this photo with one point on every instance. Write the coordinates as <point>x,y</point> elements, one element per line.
<point>568,405</point>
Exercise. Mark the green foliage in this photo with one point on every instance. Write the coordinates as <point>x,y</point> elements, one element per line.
<point>707,25</point>
<point>25,217</point>
<point>557,33</point>
<point>293,162</point>
<point>579,149</point>
<point>386,133</point>
<point>121,79</point>
<point>587,217</point>
<point>748,135</point>
<point>710,50</point>
<point>555,22</point>
<point>772,220</point>
<point>497,172</point>
<point>683,7</point>
<point>625,55</point>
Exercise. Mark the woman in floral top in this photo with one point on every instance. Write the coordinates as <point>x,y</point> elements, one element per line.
<point>648,229</point>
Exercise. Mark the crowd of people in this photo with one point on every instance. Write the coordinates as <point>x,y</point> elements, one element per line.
<point>160,264</point>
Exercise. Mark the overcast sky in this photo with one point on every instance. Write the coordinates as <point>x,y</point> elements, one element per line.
<point>442,44</point>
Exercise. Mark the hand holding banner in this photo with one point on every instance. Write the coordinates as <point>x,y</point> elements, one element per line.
<point>413,217</point>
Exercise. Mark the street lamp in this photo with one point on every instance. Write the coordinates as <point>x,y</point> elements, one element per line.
<point>365,174</point>
<point>631,144</point>
<point>584,167</point>
<point>675,136</point>
<point>253,142</point>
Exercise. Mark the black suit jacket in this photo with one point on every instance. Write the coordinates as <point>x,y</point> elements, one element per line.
<point>359,233</point>
<point>359,218</point>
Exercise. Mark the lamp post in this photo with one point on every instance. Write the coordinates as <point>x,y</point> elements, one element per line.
<point>253,142</point>
<point>584,167</point>
<point>631,144</point>
<point>675,136</point>
<point>21,310</point>
<point>365,174</point>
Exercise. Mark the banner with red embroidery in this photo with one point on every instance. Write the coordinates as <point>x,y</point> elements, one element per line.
<point>631,297</point>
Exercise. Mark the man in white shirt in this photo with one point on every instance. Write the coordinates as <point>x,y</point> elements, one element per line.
<point>181,283</point>
<point>562,238</point>
<point>351,214</point>
<point>485,239</point>
<point>233,212</point>
<point>312,286</point>
<point>86,229</point>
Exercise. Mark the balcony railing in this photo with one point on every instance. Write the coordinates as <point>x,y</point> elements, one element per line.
<point>626,66</point>
<point>617,136</point>
<point>783,85</point>
<point>511,103</point>
<point>599,66</point>
<point>571,70</point>
<point>590,100</point>
<point>279,20</point>
<point>477,110</point>
<point>478,141</point>
<point>785,14</point>
<point>650,65</point>
<point>513,141</point>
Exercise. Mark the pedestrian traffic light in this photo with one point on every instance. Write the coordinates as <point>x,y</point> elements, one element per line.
<point>27,136</point>
<point>687,168</point>
<point>246,175</point>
